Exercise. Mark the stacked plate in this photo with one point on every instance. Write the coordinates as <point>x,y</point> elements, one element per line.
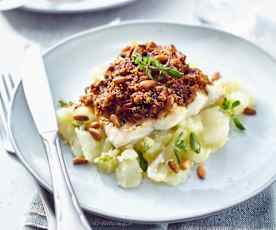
<point>62,6</point>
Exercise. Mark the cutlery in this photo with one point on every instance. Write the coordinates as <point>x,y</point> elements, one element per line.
<point>5,97</point>
<point>37,91</point>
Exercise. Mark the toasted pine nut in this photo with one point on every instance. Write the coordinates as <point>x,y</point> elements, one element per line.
<point>151,45</point>
<point>249,111</point>
<point>173,166</point>
<point>95,133</point>
<point>201,171</point>
<point>170,101</point>
<point>147,84</point>
<point>216,76</point>
<point>119,80</point>
<point>80,160</point>
<point>162,58</point>
<point>185,164</point>
<point>95,125</point>
<point>81,118</point>
<point>115,120</point>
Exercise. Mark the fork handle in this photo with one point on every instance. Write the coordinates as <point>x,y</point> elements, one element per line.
<point>68,212</point>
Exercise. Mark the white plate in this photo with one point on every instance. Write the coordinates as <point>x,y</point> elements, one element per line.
<point>72,6</point>
<point>239,171</point>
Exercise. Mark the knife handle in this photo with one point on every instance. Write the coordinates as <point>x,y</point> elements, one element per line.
<point>68,212</point>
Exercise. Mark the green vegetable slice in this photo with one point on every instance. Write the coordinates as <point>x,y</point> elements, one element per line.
<point>225,104</point>
<point>143,163</point>
<point>63,103</point>
<point>228,107</point>
<point>235,104</point>
<point>194,143</point>
<point>179,147</point>
<point>238,123</point>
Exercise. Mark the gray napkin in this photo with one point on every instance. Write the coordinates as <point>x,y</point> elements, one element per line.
<point>255,213</point>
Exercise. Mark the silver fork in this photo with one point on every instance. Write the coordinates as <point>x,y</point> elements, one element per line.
<point>7,83</point>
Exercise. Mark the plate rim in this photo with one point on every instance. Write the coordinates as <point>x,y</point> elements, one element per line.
<point>114,216</point>
<point>74,11</point>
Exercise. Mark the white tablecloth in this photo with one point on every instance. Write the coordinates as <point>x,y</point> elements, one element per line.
<point>16,188</point>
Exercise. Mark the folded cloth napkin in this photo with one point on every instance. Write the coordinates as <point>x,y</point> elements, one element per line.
<point>255,213</point>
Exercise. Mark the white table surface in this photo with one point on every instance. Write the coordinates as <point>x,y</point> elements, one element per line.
<point>17,189</point>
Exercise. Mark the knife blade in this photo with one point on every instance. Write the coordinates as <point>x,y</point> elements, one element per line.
<point>37,90</point>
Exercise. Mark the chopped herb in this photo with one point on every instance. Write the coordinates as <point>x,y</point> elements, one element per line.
<point>179,147</point>
<point>235,104</point>
<point>148,64</point>
<point>180,143</point>
<point>63,103</point>
<point>177,153</point>
<point>143,163</point>
<point>178,139</point>
<point>228,107</point>
<point>237,123</point>
<point>225,104</point>
<point>174,73</point>
<point>195,145</point>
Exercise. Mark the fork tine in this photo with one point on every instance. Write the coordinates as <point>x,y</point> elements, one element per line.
<point>2,134</point>
<point>3,105</point>
<point>10,84</point>
<point>11,81</point>
<point>5,94</point>
<point>6,86</point>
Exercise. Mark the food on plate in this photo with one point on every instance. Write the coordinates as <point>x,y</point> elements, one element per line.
<point>150,114</point>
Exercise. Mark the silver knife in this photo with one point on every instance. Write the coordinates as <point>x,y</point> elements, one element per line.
<point>38,94</point>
